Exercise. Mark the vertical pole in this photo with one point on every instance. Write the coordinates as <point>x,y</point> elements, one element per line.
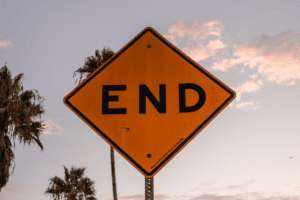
<point>113,173</point>
<point>149,188</point>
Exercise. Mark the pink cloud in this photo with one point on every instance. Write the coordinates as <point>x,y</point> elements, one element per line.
<point>291,82</point>
<point>194,30</point>
<point>237,196</point>
<point>280,66</point>
<point>244,53</point>
<point>277,57</point>
<point>142,197</point>
<point>17,190</point>
<point>198,53</point>
<point>6,44</point>
<point>250,104</point>
<point>223,65</point>
<point>248,86</point>
<point>197,33</point>
<point>52,127</point>
<point>215,44</point>
<point>272,58</point>
<point>253,76</point>
<point>202,52</point>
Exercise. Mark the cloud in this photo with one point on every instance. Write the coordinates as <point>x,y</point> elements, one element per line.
<point>182,197</point>
<point>250,104</point>
<point>142,197</point>
<point>9,43</point>
<point>206,185</point>
<point>227,187</point>
<point>271,58</point>
<point>6,43</point>
<point>244,196</point>
<point>246,87</point>
<point>17,190</point>
<point>239,196</point>
<point>203,185</point>
<point>198,34</point>
<point>244,191</point>
<point>277,58</point>
<point>196,31</point>
<point>202,52</point>
<point>253,76</point>
<point>293,82</point>
<point>250,86</point>
<point>248,189</point>
<point>221,66</point>
<point>250,181</point>
<point>52,127</point>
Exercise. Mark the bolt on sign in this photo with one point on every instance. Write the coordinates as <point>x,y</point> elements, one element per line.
<point>149,101</point>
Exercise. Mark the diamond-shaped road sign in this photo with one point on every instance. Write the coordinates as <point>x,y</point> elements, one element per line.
<point>149,100</point>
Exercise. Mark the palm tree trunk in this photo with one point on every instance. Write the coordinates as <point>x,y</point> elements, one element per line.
<point>113,173</point>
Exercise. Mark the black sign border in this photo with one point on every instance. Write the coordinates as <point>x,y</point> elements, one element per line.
<point>230,98</point>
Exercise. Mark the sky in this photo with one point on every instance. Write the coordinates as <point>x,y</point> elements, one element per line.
<point>243,154</point>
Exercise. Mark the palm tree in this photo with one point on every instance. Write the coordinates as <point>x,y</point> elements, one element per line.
<point>90,65</point>
<point>18,109</point>
<point>57,188</point>
<point>73,186</point>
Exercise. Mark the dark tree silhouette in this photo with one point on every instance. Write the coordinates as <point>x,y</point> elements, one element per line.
<point>90,65</point>
<point>74,186</point>
<point>18,109</point>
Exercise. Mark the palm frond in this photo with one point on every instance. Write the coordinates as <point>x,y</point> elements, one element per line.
<point>73,186</point>
<point>16,111</point>
<point>92,63</point>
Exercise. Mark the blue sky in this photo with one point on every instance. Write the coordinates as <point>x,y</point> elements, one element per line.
<point>251,46</point>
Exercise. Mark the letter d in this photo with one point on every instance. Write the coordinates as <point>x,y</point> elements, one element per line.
<point>182,97</point>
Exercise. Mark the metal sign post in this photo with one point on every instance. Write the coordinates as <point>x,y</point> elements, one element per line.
<point>149,188</point>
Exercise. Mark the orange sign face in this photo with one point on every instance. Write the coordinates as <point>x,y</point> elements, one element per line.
<point>149,101</point>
